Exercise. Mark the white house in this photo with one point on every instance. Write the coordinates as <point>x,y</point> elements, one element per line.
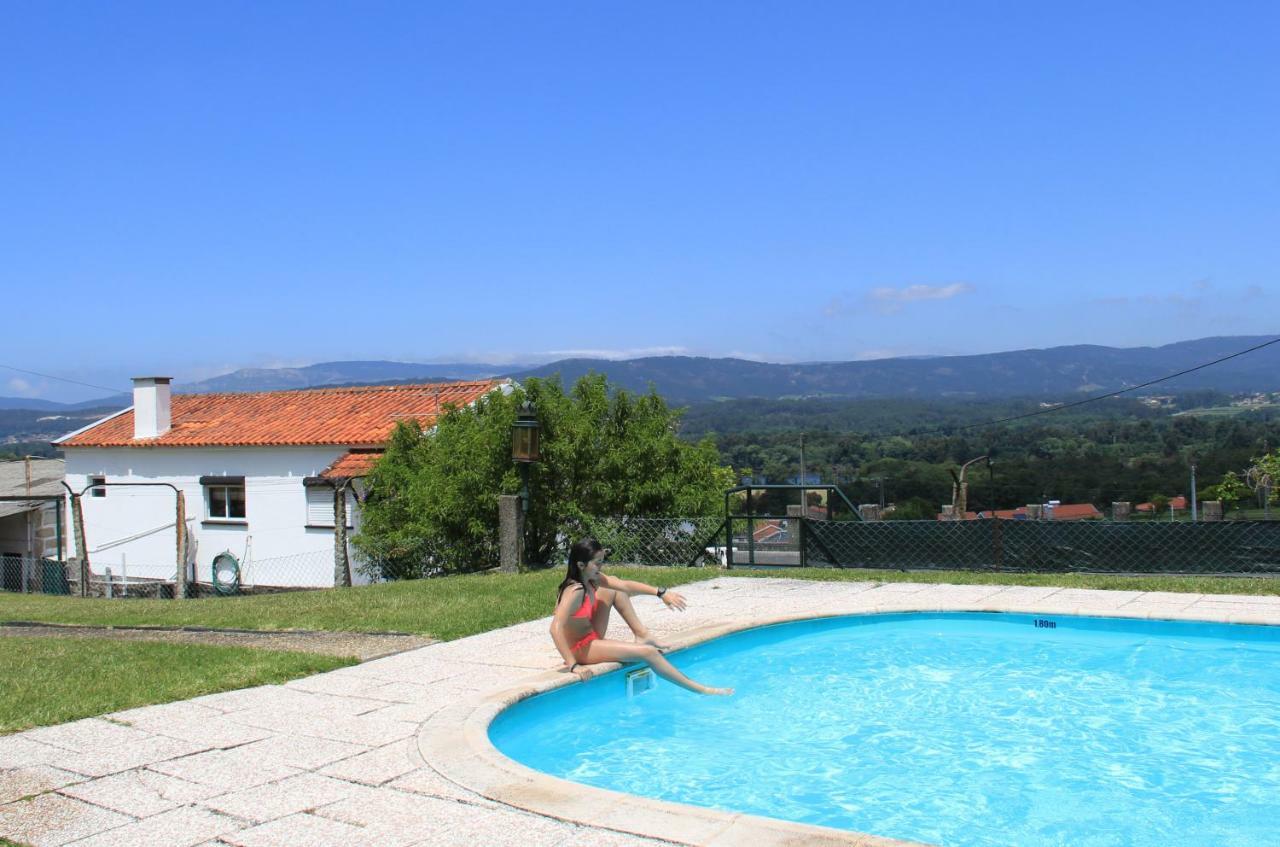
<point>257,473</point>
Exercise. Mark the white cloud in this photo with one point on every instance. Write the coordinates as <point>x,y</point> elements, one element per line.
<point>895,297</point>
<point>632,353</point>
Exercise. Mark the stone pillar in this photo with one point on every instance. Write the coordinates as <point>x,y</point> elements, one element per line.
<point>1120,510</point>
<point>341,559</point>
<point>1035,512</point>
<point>46,540</point>
<point>1211,510</point>
<point>869,511</point>
<point>510,533</point>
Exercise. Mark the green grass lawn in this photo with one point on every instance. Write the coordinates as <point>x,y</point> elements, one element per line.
<point>53,680</point>
<point>457,606</point>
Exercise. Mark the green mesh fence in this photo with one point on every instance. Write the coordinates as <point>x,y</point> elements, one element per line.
<point>1229,547</point>
<point>658,541</point>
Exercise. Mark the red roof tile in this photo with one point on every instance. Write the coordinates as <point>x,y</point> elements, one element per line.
<point>354,464</point>
<point>361,416</point>
<point>1061,512</point>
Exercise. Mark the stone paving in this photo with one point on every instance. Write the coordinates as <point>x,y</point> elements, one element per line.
<point>334,759</point>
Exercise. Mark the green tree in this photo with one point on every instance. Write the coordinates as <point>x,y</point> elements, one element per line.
<point>1264,475</point>
<point>433,497</point>
<point>1230,491</point>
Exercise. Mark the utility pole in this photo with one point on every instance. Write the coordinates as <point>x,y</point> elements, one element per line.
<point>880,489</point>
<point>802,480</point>
<point>1193,492</point>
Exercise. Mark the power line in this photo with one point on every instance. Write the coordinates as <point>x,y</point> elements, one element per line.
<point>1100,396</point>
<point>63,379</point>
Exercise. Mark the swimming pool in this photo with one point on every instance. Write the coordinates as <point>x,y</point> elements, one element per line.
<point>947,728</point>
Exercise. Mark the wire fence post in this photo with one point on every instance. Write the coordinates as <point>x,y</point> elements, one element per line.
<point>180,580</point>
<point>77,519</point>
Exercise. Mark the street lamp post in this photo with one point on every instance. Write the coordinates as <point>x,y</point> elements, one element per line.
<point>960,491</point>
<point>525,450</point>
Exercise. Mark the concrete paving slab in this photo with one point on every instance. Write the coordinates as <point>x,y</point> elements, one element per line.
<point>87,734</point>
<point>139,793</point>
<point>149,717</point>
<point>51,820</point>
<point>425,780</point>
<point>378,766</point>
<point>230,770</point>
<point>214,733</point>
<point>306,830</point>
<point>182,827</point>
<point>150,750</point>
<point>281,699</point>
<point>400,815</point>
<point>19,751</point>
<point>368,730</point>
<point>304,752</point>
<point>303,792</point>
<point>17,783</point>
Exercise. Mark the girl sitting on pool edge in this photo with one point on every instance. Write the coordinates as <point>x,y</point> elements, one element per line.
<point>585,599</point>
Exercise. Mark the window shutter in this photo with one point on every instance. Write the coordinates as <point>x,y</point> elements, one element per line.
<point>319,505</point>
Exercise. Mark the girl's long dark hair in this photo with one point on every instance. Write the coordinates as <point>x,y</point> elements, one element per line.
<point>579,554</point>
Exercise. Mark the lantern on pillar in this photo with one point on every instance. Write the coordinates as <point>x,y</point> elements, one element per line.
<point>525,448</point>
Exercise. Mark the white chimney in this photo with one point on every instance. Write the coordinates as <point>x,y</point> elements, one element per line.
<point>151,406</point>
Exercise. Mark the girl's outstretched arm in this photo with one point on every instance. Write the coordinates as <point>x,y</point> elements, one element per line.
<point>669,597</point>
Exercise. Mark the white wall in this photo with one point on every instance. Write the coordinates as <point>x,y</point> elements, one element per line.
<point>131,529</point>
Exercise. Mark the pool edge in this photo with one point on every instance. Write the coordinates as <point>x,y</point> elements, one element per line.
<point>456,742</point>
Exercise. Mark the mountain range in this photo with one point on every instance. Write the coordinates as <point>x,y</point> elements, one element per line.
<point>1078,370</point>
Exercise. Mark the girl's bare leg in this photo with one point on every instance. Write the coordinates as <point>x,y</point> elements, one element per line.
<point>622,600</point>
<point>618,651</point>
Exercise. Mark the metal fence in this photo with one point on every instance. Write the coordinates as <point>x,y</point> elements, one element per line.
<point>1226,547</point>
<point>228,575</point>
<point>659,541</point>
<point>29,574</point>
<point>1094,546</point>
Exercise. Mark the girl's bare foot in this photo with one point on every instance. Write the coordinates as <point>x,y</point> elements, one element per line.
<point>653,641</point>
<point>717,692</point>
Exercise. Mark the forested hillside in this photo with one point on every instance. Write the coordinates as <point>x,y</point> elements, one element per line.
<point>1120,449</point>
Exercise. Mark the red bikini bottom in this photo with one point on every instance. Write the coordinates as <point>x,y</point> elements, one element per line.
<point>585,640</point>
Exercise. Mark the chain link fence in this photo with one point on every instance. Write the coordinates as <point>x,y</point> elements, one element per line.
<point>1226,547</point>
<point>227,575</point>
<point>659,541</point>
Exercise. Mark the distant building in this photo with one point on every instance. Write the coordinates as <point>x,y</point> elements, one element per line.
<point>1054,512</point>
<point>28,528</point>
<point>807,479</point>
<point>1177,504</point>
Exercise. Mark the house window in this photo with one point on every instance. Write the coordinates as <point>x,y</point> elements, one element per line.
<point>100,481</point>
<point>320,506</point>
<point>224,497</point>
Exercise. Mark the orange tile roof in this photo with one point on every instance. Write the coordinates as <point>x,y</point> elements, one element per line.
<point>359,416</point>
<point>1061,512</point>
<point>357,463</point>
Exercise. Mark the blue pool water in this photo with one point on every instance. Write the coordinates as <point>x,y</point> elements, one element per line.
<point>951,728</point>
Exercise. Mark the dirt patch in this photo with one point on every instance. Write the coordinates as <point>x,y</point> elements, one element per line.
<point>361,645</point>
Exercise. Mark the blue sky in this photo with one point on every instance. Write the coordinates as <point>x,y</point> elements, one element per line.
<point>191,188</point>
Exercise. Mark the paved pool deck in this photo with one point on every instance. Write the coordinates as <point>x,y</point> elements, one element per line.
<point>393,751</point>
